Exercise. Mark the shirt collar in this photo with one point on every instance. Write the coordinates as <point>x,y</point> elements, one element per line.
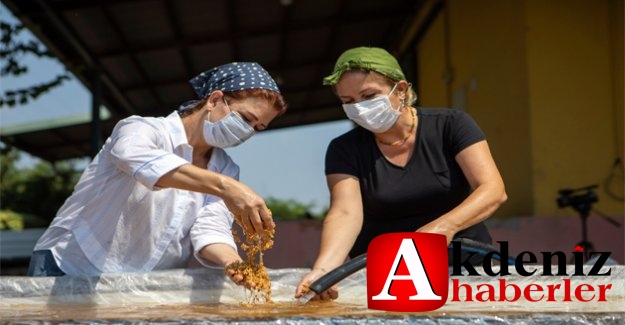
<point>177,134</point>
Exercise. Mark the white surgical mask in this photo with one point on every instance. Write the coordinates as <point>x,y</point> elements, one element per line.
<point>376,115</point>
<point>230,131</point>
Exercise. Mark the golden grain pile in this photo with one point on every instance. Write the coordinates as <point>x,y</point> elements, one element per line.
<point>255,277</point>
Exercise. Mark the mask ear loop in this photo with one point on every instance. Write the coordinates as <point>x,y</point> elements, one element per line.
<point>401,100</point>
<point>211,110</point>
<point>393,90</point>
<point>228,107</point>
<point>226,102</point>
<point>230,110</point>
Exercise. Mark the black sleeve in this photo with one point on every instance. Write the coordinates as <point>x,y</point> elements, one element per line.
<point>340,159</point>
<point>463,131</point>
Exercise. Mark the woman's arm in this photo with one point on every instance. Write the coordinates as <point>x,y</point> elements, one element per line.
<point>223,255</point>
<point>219,254</point>
<point>343,222</point>
<point>341,226</point>
<point>488,193</point>
<point>247,206</point>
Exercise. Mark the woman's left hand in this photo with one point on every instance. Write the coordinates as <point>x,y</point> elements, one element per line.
<point>437,229</point>
<point>239,278</point>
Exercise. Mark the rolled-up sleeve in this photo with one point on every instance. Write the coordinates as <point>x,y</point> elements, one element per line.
<point>214,222</point>
<point>139,149</point>
<point>213,226</point>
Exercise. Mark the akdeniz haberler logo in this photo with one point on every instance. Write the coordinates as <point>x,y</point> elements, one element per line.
<point>408,271</point>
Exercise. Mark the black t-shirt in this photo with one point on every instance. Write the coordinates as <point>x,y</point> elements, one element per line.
<point>397,199</point>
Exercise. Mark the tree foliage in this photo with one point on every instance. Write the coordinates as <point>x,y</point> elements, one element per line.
<point>34,192</point>
<point>12,50</point>
<point>291,209</point>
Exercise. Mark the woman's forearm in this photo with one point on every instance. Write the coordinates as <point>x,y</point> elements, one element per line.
<point>192,178</point>
<point>337,238</point>
<point>219,254</point>
<point>487,196</point>
<point>477,207</point>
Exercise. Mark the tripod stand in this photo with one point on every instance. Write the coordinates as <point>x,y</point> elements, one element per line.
<point>582,203</point>
<point>584,211</point>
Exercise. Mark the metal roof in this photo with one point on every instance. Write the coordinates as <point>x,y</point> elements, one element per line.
<point>145,51</point>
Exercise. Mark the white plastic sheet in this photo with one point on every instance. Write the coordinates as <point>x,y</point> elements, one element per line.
<point>207,296</point>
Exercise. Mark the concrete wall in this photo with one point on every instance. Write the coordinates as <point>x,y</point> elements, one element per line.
<point>297,242</point>
<point>571,104</point>
<point>617,58</point>
<point>544,79</point>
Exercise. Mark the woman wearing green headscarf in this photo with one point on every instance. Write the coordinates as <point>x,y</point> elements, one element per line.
<point>404,168</point>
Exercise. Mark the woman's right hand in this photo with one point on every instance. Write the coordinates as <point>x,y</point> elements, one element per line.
<point>302,288</point>
<point>249,208</point>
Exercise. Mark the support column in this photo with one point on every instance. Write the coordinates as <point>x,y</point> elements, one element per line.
<point>96,122</point>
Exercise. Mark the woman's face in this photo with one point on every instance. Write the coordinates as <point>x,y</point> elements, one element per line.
<point>256,111</point>
<point>356,86</point>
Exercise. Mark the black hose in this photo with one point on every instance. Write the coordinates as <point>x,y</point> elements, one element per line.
<point>334,276</point>
<point>359,262</point>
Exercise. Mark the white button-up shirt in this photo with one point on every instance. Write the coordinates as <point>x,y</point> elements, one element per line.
<point>118,220</point>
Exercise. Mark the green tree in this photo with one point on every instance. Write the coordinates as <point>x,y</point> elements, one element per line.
<point>291,209</point>
<point>38,191</point>
<point>12,50</point>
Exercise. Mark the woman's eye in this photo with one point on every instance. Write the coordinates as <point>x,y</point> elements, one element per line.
<point>368,96</point>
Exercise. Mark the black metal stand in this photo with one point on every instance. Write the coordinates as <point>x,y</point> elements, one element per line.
<point>584,211</point>
<point>582,203</point>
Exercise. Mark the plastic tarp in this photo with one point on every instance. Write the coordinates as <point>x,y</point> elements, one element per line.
<point>207,296</point>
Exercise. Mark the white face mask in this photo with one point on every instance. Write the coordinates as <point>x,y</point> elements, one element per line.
<point>230,131</point>
<point>376,115</point>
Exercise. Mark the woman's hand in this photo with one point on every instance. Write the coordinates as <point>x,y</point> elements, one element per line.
<point>249,208</point>
<point>226,256</point>
<point>308,279</point>
<point>434,228</point>
<point>240,279</point>
<point>233,275</point>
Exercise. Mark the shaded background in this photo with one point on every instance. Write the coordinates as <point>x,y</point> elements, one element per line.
<point>544,79</point>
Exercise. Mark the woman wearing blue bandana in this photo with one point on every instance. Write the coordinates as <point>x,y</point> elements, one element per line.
<point>162,190</point>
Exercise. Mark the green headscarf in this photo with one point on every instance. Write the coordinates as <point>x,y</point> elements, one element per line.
<point>366,58</point>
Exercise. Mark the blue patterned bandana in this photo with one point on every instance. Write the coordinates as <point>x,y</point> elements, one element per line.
<point>233,77</point>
